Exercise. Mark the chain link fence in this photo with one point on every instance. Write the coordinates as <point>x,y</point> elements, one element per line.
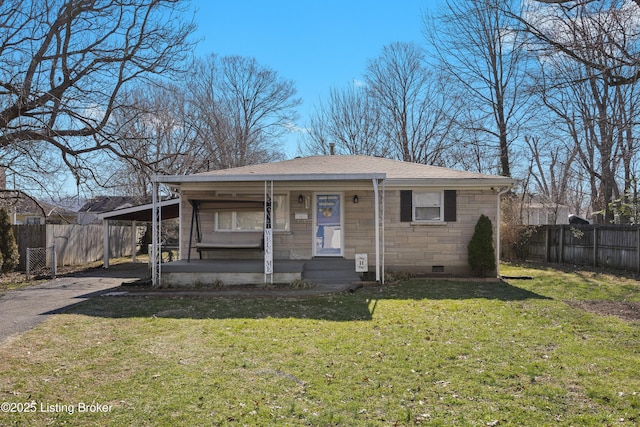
<point>41,262</point>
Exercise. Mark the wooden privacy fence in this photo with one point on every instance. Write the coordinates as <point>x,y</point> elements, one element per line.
<point>29,236</point>
<point>610,246</point>
<point>75,244</point>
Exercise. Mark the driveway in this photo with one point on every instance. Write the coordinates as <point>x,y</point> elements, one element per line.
<point>25,308</point>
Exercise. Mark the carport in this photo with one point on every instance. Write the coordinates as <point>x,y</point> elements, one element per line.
<point>169,209</point>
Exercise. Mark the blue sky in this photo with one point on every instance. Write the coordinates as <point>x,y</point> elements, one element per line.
<point>318,45</point>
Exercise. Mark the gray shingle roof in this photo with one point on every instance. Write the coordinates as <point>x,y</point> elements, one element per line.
<point>335,166</point>
<point>394,169</point>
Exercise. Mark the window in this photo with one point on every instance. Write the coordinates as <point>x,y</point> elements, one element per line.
<point>30,220</point>
<point>428,206</point>
<point>254,220</point>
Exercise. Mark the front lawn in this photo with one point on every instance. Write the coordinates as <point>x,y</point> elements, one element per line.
<point>417,353</point>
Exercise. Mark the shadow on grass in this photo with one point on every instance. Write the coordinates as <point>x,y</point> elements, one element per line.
<point>344,306</point>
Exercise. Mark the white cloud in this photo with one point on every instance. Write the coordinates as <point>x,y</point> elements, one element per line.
<point>359,83</point>
<point>292,127</point>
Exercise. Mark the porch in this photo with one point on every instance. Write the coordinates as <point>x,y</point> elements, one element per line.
<point>208,273</point>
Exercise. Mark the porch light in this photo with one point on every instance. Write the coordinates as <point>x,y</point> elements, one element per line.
<point>300,199</point>
<point>355,199</point>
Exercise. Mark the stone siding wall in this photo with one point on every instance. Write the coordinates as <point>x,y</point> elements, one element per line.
<point>408,246</point>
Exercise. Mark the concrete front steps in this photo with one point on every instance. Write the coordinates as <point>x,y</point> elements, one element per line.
<point>330,271</point>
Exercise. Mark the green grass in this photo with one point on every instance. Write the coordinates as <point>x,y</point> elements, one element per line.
<point>417,353</point>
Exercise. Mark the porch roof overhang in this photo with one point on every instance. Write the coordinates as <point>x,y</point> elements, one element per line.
<point>191,180</point>
<point>144,213</point>
<point>203,178</point>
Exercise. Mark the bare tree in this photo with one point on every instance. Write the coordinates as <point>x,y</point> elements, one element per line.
<point>241,109</point>
<point>553,22</point>
<point>157,134</point>
<point>551,168</point>
<point>349,120</point>
<point>412,103</point>
<point>597,111</point>
<point>480,48</point>
<point>227,112</point>
<point>63,66</point>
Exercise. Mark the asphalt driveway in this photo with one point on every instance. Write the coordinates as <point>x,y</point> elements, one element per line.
<point>23,309</point>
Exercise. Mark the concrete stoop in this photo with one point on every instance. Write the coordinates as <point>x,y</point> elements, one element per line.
<point>328,271</point>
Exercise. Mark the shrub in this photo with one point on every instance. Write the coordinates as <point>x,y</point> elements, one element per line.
<point>515,240</point>
<point>482,257</point>
<point>9,255</point>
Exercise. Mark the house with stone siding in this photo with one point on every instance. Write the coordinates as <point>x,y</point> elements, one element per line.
<point>331,218</point>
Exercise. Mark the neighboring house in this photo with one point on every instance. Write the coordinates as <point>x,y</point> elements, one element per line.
<point>24,209</point>
<point>89,213</point>
<point>537,211</point>
<point>400,216</point>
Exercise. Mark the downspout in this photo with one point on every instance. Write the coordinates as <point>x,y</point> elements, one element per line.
<point>377,226</point>
<point>499,215</point>
<point>383,244</point>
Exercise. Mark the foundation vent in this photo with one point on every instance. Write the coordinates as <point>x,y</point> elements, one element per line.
<point>437,269</point>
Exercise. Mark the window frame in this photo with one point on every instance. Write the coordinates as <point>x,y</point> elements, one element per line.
<point>33,220</point>
<point>415,205</point>
<point>449,208</point>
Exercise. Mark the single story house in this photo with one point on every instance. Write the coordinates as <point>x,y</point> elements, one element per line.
<point>369,213</point>
<point>25,209</point>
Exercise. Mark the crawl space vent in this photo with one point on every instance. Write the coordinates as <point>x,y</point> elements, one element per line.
<point>437,269</point>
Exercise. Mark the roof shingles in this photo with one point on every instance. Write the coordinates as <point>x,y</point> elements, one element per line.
<point>394,169</point>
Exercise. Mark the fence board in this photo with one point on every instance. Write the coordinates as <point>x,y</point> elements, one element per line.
<point>28,236</point>
<point>610,246</point>
<point>75,244</point>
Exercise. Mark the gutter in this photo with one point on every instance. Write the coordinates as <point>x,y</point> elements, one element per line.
<point>203,178</point>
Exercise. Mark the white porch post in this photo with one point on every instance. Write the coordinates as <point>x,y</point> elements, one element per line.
<point>377,226</point>
<point>134,239</point>
<point>268,232</point>
<point>155,239</point>
<point>105,243</point>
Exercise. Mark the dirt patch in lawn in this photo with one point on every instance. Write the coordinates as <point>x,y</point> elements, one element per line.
<point>629,311</point>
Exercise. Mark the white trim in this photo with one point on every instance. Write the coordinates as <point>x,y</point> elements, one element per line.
<point>376,221</point>
<point>181,179</point>
<point>450,183</point>
<point>415,221</point>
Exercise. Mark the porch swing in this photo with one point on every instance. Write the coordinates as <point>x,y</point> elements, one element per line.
<point>224,241</point>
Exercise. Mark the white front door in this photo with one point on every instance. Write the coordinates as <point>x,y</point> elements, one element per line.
<point>327,224</point>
